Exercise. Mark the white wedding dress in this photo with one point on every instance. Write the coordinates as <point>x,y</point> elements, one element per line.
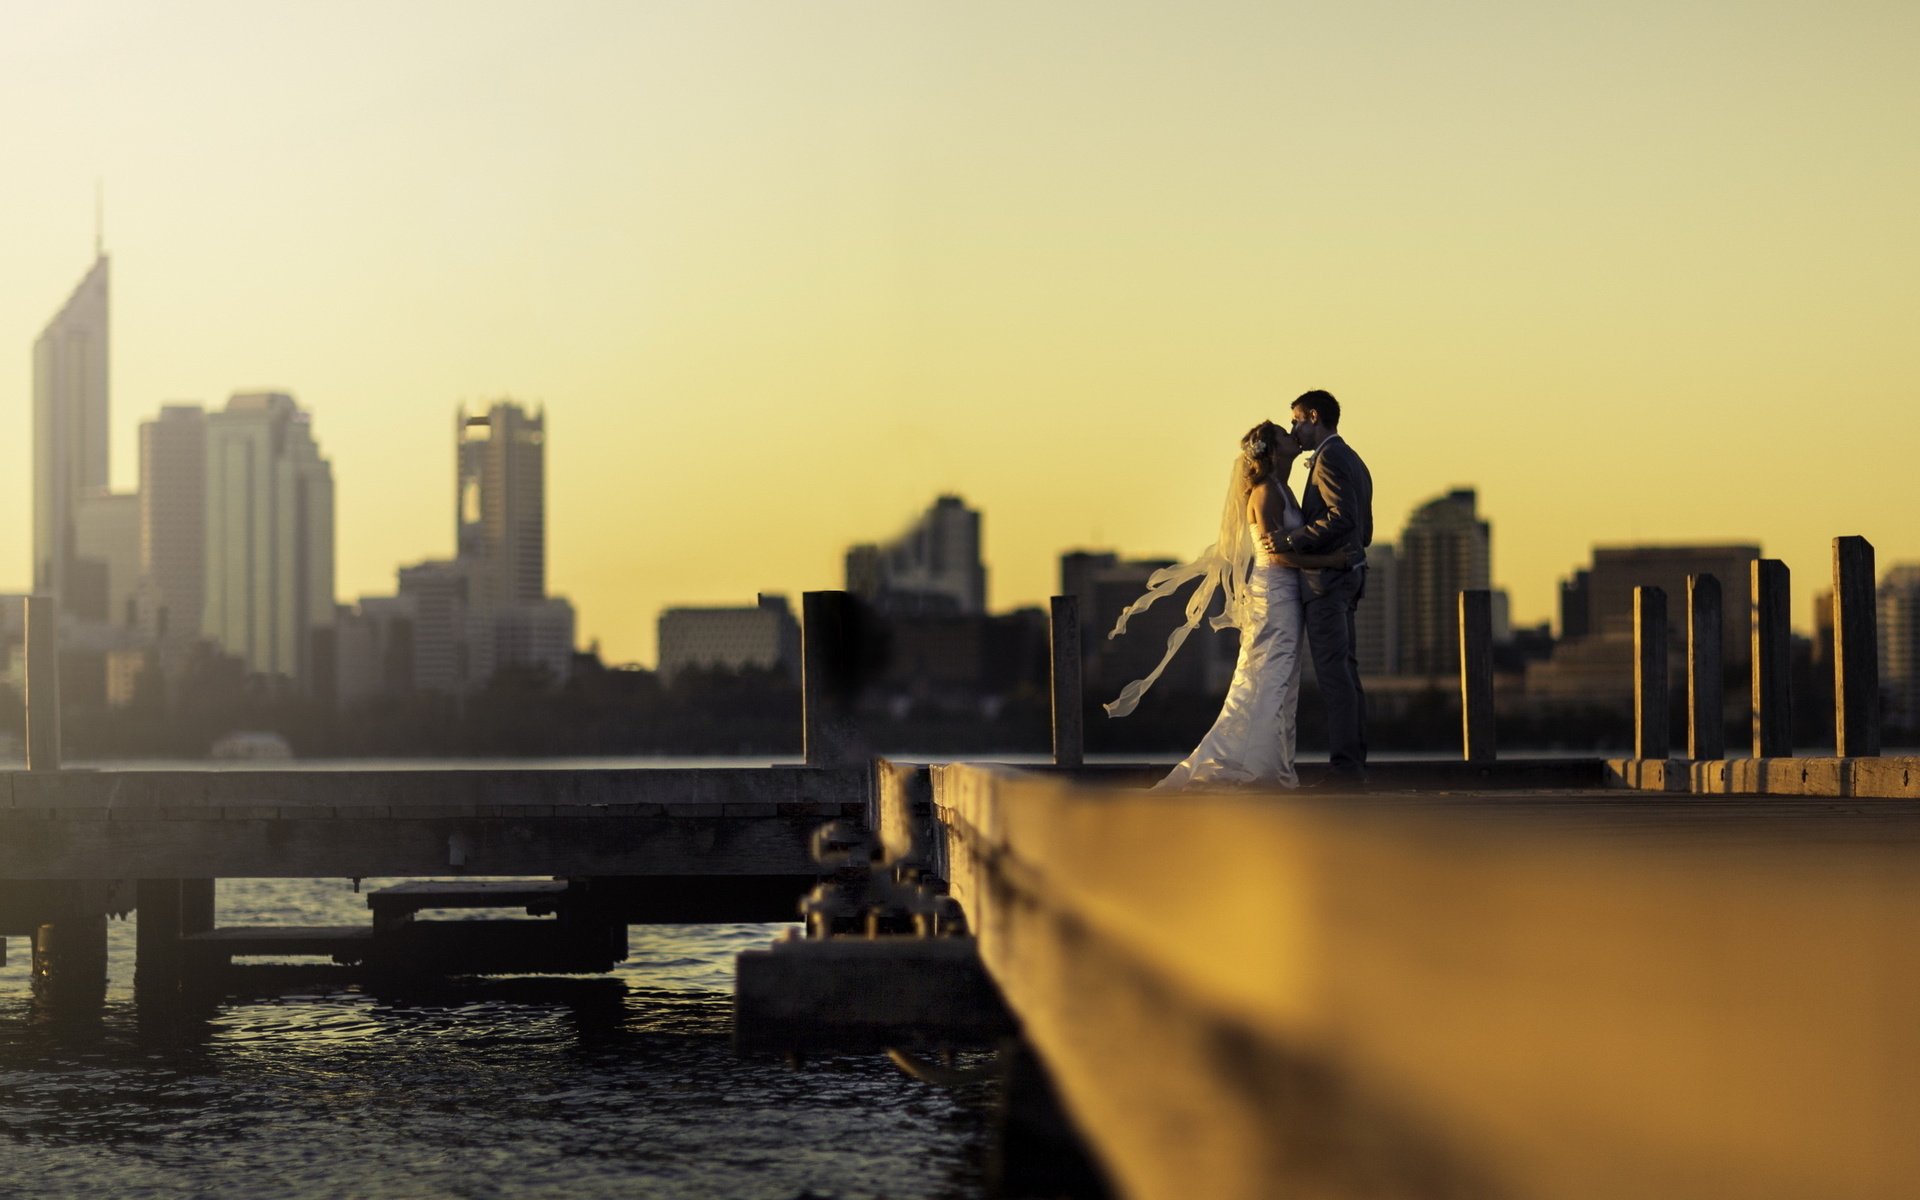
<point>1252,742</point>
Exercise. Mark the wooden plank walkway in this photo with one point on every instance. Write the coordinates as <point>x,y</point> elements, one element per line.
<point>194,824</point>
<point>1463,995</point>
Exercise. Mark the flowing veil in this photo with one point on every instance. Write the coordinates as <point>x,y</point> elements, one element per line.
<point>1221,568</point>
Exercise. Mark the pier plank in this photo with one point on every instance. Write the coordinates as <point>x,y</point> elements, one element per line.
<point>1470,995</point>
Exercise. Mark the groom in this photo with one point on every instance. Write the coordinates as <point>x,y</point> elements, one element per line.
<point>1338,506</point>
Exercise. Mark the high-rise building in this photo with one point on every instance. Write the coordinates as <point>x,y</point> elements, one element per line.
<point>439,596</point>
<point>500,504</point>
<point>500,520</point>
<point>106,528</point>
<point>1576,605</point>
<point>1376,624</point>
<point>933,567</point>
<point>173,521</point>
<point>70,441</point>
<point>269,547</point>
<point>1899,603</point>
<point>1445,549</point>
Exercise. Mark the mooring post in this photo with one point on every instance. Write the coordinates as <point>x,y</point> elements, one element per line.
<point>1772,702</point>
<point>70,962</point>
<point>1856,651</point>
<point>1706,679</point>
<point>1063,643</point>
<point>1650,731</point>
<point>156,936</point>
<point>43,683</point>
<point>829,678</point>
<point>1476,675</point>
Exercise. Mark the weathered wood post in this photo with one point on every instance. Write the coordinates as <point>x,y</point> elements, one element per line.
<point>829,677</point>
<point>156,934</point>
<point>43,684</point>
<point>1772,702</point>
<point>1476,675</point>
<point>1706,678</point>
<point>70,962</point>
<point>1650,731</point>
<point>69,952</point>
<point>1856,651</point>
<point>1063,645</point>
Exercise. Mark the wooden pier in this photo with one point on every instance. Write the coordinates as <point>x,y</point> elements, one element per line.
<point>1483,977</point>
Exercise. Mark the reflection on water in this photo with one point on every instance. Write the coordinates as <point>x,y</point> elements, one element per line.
<point>623,1085</point>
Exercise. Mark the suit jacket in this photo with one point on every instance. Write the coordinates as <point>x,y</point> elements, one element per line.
<point>1337,502</point>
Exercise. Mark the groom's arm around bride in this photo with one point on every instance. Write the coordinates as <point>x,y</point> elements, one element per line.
<point>1337,504</point>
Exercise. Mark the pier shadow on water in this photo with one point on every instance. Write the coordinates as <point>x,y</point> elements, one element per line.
<point>312,1085</point>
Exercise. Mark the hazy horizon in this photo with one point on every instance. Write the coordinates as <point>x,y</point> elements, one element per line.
<point>782,274</point>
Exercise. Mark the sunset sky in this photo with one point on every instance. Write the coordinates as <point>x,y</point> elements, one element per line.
<point>782,272</point>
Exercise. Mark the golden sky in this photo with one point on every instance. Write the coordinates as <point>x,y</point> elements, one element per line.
<point>781,272</point>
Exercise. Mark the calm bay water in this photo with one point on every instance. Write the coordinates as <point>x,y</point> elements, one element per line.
<point>619,1085</point>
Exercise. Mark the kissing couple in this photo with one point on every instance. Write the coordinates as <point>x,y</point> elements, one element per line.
<point>1287,570</point>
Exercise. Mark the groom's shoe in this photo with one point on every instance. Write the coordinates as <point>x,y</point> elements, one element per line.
<point>1338,781</point>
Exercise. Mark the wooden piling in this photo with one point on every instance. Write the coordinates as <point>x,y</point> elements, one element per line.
<point>70,963</point>
<point>1063,641</point>
<point>1706,681</point>
<point>156,932</point>
<point>1856,651</point>
<point>196,905</point>
<point>1476,675</point>
<point>43,683</point>
<point>1650,731</point>
<point>829,678</point>
<point>1772,702</point>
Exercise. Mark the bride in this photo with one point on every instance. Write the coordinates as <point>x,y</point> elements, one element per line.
<point>1252,741</point>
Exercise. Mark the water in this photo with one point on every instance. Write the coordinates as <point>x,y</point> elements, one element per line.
<point>623,1085</point>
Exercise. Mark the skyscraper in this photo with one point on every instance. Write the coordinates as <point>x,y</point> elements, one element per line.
<point>500,518</point>
<point>173,521</point>
<point>933,567</point>
<point>1445,549</point>
<point>1376,622</point>
<point>500,503</point>
<point>70,441</point>
<point>269,545</point>
<point>1899,603</point>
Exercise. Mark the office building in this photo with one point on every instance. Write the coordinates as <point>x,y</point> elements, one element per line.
<point>107,533</point>
<point>764,637</point>
<point>1617,570</point>
<point>1445,549</point>
<point>70,443</point>
<point>1376,622</point>
<point>933,567</point>
<point>500,504</point>
<point>173,522</point>
<point>1899,604</point>
<point>269,547</point>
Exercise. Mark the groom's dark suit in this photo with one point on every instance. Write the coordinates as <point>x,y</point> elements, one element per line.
<point>1338,507</point>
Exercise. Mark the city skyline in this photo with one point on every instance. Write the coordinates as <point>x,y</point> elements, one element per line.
<point>780,277</point>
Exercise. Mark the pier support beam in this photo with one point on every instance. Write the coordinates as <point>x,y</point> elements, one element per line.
<point>70,964</point>
<point>1476,675</point>
<point>1856,651</point>
<point>1650,732</point>
<point>1063,641</point>
<point>156,933</point>
<point>1772,702</point>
